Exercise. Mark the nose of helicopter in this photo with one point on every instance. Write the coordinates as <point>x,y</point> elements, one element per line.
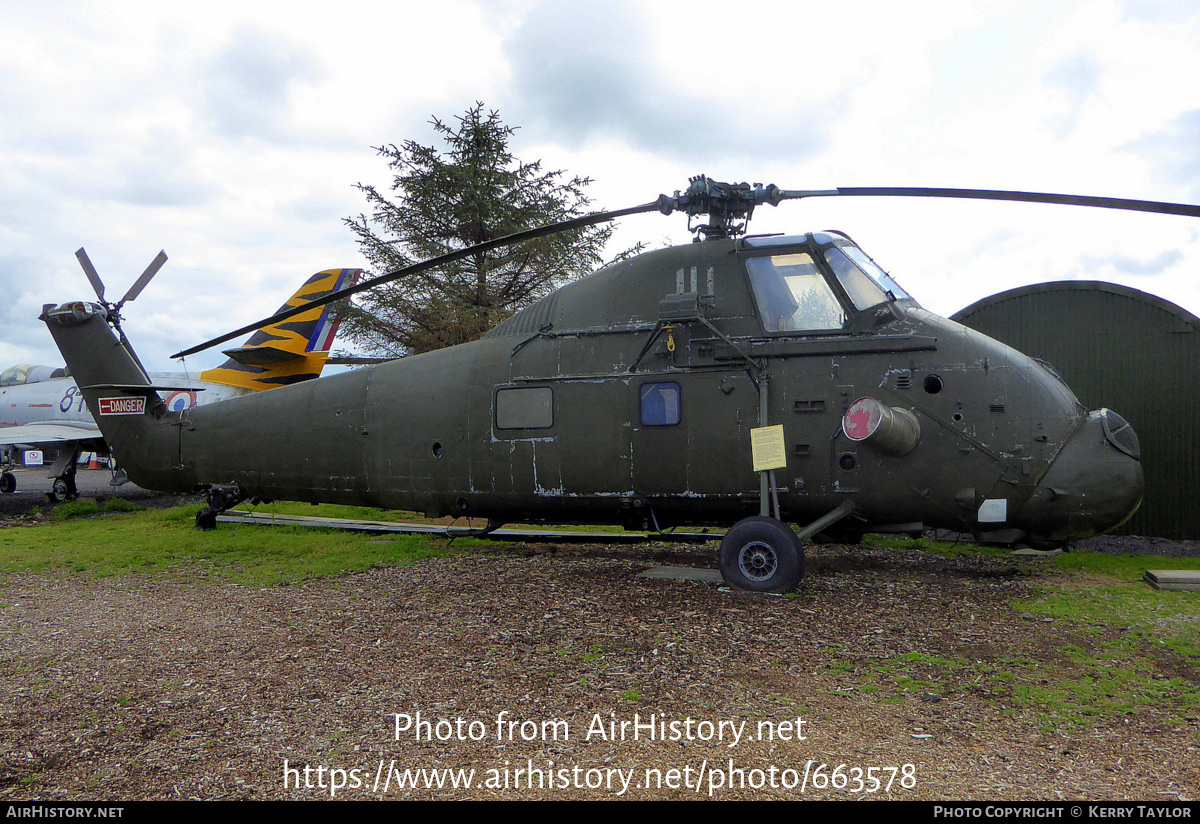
<point>1093,485</point>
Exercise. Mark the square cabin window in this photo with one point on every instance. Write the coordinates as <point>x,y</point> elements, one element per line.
<point>531,408</point>
<point>660,404</point>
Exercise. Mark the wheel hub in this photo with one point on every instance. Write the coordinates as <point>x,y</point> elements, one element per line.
<point>758,561</point>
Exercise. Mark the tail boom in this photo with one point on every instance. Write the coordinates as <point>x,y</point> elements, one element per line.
<point>140,431</point>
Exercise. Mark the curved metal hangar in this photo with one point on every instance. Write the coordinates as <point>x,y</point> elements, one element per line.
<point>1125,348</point>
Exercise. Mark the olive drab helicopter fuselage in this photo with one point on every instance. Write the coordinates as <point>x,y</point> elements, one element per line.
<point>634,396</point>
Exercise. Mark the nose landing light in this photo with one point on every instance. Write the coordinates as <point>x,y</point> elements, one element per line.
<point>1120,434</point>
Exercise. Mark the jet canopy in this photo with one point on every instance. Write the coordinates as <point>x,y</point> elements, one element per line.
<point>24,373</point>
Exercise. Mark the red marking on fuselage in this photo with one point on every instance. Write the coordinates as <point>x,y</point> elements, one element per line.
<point>859,421</point>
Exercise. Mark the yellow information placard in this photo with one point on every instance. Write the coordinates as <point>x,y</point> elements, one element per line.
<point>767,446</point>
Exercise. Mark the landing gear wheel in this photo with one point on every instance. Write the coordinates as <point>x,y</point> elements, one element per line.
<point>8,483</point>
<point>762,554</point>
<point>59,492</point>
<point>206,519</point>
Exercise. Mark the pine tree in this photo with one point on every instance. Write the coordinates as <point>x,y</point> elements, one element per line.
<point>473,190</point>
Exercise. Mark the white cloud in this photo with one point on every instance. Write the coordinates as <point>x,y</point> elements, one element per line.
<point>247,85</point>
<point>233,136</point>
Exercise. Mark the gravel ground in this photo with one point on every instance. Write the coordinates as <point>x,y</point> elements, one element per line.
<point>187,688</point>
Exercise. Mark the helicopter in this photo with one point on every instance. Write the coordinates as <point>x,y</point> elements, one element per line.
<point>745,381</point>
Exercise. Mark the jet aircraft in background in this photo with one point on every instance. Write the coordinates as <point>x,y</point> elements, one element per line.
<point>43,405</point>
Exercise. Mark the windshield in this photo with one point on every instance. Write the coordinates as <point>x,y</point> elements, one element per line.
<point>792,293</point>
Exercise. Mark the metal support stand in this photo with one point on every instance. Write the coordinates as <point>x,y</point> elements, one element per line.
<point>826,521</point>
<point>768,492</point>
<point>764,476</point>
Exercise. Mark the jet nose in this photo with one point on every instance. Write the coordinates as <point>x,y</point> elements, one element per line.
<point>1093,485</point>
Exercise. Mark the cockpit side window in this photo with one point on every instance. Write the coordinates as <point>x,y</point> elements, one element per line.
<point>871,285</point>
<point>863,291</point>
<point>792,294</point>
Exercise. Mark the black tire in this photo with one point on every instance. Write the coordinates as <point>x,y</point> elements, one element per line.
<point>8,483</point>
<point>206,519</point>
<point>762,555</point>
<point>59,491</point>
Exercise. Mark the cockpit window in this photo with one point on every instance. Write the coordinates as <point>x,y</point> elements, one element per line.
<point>863,291</point>
<point>792,294</point>
<point>852,266</point>
<point>29,373</point>
<point>15,375</point>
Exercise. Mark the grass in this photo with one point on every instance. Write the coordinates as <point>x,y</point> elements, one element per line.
<point>364,513</point>
<point>1126,646</point>
<point>949,549</point>
<point>1124,567</point>
<point>357,513</point>
<point>87,507</point>
<point>1139,646</point>
<point>1132,647</point>
<point>160,541</point>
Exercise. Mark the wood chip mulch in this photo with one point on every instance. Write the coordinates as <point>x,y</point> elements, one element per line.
<point>178,687</point>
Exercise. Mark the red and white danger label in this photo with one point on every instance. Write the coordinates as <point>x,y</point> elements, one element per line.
<point>123,406</point>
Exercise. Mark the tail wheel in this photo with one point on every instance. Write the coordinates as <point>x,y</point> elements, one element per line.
<point>206,519</point>
<point>762,554</point>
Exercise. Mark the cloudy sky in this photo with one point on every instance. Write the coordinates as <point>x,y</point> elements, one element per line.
<point>232,134</point>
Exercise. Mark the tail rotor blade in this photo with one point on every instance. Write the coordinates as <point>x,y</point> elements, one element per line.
<point>146,276</point>
<point>90,271</point>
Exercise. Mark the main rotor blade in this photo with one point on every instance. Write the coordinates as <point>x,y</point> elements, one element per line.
<point>140,283</point>
<point>1155,206</point>
<point>666,205</point>
<point>432,263</point>
<point>90,271</point>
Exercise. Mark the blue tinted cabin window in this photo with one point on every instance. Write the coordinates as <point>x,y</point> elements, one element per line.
<point>660,404</point>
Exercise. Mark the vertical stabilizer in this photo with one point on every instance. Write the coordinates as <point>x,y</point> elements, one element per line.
<point>290,351</point>
<point>125,404</point>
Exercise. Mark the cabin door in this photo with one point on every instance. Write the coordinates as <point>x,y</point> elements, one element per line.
<point>690,434</point>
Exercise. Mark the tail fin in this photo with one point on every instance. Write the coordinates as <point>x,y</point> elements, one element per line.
<point>122,399</point>
<point>291,351</point>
